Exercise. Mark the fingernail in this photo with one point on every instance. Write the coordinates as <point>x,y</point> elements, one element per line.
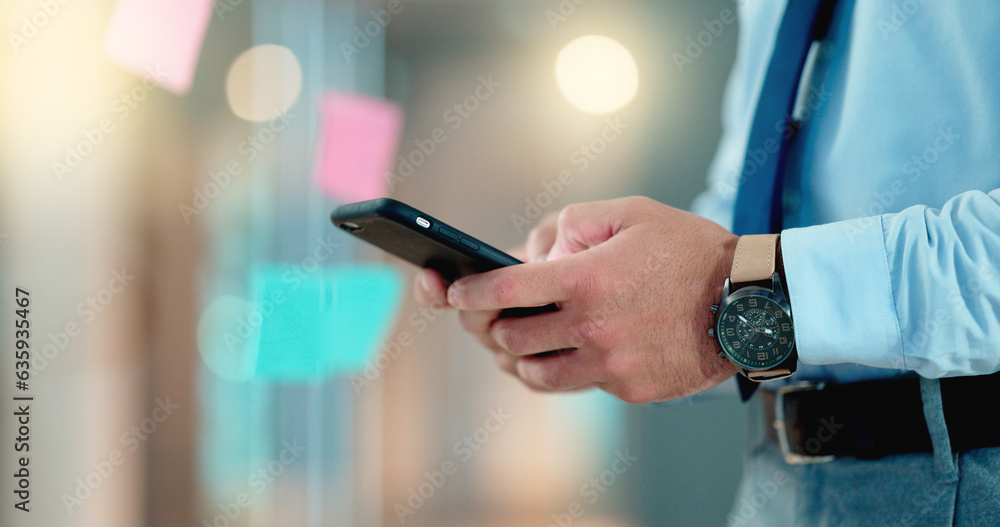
<point>425,281</point>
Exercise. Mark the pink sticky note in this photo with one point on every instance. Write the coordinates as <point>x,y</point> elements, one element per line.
<point>159,39</point>
<point>357,141</point>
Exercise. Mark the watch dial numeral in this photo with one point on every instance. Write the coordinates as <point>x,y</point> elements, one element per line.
<point>755,331</point>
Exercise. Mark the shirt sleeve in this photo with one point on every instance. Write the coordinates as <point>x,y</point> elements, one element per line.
<point>917,290</point>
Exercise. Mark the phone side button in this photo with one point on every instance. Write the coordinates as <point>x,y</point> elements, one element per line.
<point>448,233</point>
<point>470,244</point>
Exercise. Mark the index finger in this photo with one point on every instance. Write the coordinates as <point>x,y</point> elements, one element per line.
<point>521,285</point>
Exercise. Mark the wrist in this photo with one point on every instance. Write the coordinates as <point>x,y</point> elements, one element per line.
<point>779,262</point>
<point>754,324</point>
<point>718,271</point>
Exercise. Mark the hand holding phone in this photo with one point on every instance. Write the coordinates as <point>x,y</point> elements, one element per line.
<point>421,239</point>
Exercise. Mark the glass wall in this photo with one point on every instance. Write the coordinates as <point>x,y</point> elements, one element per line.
<point>206,349</point>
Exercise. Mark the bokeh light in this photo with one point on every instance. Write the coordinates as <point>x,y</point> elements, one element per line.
<point>597,74</point>
<point>263,82</point>
<point>227,337</point>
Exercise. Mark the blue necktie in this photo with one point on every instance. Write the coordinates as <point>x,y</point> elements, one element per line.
<point>758,198</point>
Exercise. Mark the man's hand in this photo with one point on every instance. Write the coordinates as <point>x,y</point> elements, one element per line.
<point>633,278</point>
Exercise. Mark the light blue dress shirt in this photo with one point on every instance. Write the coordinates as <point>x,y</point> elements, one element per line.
<point>892,186</point>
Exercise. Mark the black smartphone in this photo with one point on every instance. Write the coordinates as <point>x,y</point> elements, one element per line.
<point>421,239</point>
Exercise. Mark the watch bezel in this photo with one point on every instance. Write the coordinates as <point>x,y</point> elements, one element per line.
<point>759,292</point>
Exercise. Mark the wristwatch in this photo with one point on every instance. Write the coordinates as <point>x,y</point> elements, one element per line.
<point>754,320</point>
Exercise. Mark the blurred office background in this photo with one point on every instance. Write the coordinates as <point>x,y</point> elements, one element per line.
<point>138,420</point>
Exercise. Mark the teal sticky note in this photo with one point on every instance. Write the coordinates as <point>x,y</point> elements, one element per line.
<point>320,323</point>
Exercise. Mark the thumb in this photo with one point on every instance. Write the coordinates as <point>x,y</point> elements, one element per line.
<point>585,225</point>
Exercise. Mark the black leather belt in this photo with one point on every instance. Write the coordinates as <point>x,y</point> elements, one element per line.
<point>871,419</point>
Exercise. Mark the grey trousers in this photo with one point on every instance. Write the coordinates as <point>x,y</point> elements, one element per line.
<point>907,490</point>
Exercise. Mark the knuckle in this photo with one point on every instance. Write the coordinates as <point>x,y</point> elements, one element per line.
<point>508,339</point>
<point>550,379</point>
<point>637,207</point>
<point>567,214</point>
<point>503,291</point>
<point>639,201</point>
<point>505,362</point>
<point>644,200</point>
<point>586,281</point>
<point>579,283</point>
<point>592,332</point>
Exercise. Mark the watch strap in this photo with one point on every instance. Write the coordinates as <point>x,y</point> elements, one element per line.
<point>778,372</point>
<point>755,258</point>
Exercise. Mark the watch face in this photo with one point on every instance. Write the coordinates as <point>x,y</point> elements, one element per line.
<point>755,330</point>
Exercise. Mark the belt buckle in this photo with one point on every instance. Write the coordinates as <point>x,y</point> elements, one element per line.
<point>793,458</point>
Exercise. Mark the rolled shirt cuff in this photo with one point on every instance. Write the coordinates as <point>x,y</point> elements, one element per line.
<point>837,279</point>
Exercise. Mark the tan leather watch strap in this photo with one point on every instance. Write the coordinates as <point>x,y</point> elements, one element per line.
<point>768,375</point>
<point>754,259</point>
